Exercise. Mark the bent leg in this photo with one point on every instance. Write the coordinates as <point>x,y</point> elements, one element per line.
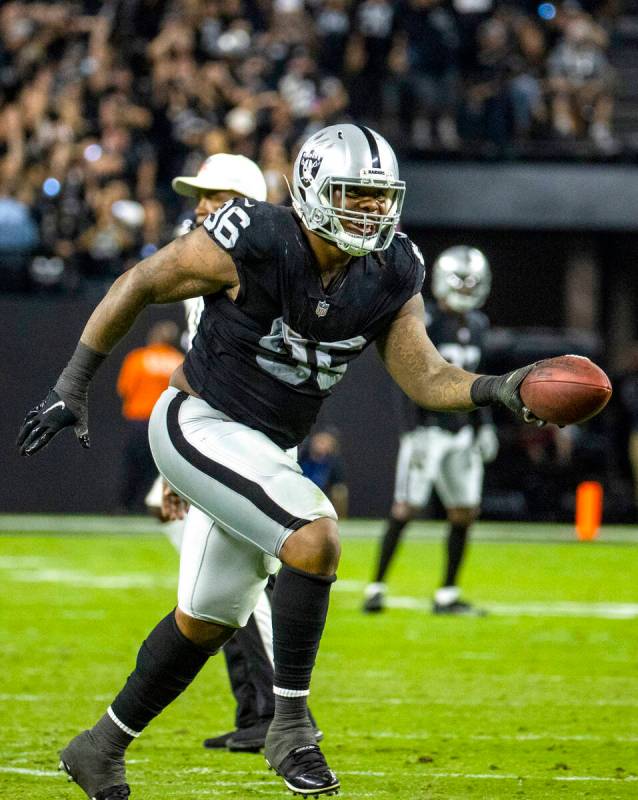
<point>168,660</point>
<point>257,496</point>
<point>299,610</point>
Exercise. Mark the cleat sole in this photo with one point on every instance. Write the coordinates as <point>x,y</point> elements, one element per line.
<point>328,791</point>
<point>64,768</point>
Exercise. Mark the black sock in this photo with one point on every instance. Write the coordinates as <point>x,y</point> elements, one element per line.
<point>299,609</point>
<point>166,664</point>
<point>389,544</point>
<point>455,548</point>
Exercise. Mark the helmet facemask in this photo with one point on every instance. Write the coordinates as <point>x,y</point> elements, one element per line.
<point>462,279</point>
<point>465,292</point>
<point>331,219</point>
<point>375,230</point>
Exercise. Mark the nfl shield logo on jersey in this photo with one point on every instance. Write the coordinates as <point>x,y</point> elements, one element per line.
<point>322,308</point>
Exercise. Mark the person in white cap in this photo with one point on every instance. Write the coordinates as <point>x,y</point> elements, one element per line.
<point>220,178</point>
<point>249,655</point>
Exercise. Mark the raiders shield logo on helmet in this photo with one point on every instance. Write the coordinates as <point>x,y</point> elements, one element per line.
<point>309,166</point>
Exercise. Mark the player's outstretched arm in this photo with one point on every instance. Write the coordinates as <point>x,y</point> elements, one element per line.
<point>190,266</point>
<point>431,382</point>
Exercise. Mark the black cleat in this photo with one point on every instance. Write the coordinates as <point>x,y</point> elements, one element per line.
<point>306,773</point>
<point>218,742</point>
<point>374,603</point>
<point>102,777</point>
<point>458,608</point>
<point>253,739</point>
<point>249,740</point>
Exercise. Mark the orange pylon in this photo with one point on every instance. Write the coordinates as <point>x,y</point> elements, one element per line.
<point>589,510</point>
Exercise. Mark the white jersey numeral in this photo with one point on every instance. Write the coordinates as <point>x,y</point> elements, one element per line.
<point>223,224</point>
<point>319,366</point>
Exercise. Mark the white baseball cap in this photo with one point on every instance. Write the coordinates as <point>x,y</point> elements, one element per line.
<point>224,172</point>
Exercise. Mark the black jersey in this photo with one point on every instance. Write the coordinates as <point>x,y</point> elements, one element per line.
<point>272,356</point>
<point>460,339</point>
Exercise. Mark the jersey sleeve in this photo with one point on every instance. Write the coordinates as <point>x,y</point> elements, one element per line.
<point>412,267</point>
<point>247,231</point>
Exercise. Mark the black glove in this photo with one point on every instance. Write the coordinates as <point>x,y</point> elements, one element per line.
<point>66,404</point>
<point>504,390</point>
<point>46,420</point>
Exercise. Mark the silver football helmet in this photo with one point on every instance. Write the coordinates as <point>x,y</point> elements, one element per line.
<point>333,165</point>
<point>461,278</point>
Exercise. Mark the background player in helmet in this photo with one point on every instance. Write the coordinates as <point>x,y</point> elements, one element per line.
<point>291,297</point>
<point>446,451</point>
<point>248,654</point>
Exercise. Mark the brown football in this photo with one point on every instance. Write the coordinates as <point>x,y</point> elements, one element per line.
<point>565,390</point>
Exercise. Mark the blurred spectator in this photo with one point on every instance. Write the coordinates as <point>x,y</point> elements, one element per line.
<point>367,56</point>
<point>488,109</point>
<point>113,241</point>
<point>333,27</point>
<point>526,87</point>
<point>143,377</point>
<point>320,460</point>
<point>581,81</point>
<point>470,15</point>
<point>18,239</point>
<point>425,59</point>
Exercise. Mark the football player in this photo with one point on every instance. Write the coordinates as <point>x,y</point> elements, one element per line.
<point>291,296</point>
<point>248,654</point>
<point>444,451</point>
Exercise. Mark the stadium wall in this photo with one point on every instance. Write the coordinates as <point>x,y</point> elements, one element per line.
<point>581,197</point>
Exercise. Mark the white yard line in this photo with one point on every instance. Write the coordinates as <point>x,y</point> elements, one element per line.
<point>38,773</point>
<point>71,523</point>
<point>524,737</point>
<point>594,610</point>
<point>478,702</point>
<point>24,698</point>
<point>480,776</point>
<point>131,580</point>
<point>15,571</point>
<point>628,779</point>
<point>534,609</point>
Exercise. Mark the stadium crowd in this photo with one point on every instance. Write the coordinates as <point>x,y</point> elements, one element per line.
<point>102,103</point>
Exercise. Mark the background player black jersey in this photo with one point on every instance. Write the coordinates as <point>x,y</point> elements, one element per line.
<point>270,358</point>
<point>460,338</point>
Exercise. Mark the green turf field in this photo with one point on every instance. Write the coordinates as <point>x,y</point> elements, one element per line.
<point>537,700</point>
